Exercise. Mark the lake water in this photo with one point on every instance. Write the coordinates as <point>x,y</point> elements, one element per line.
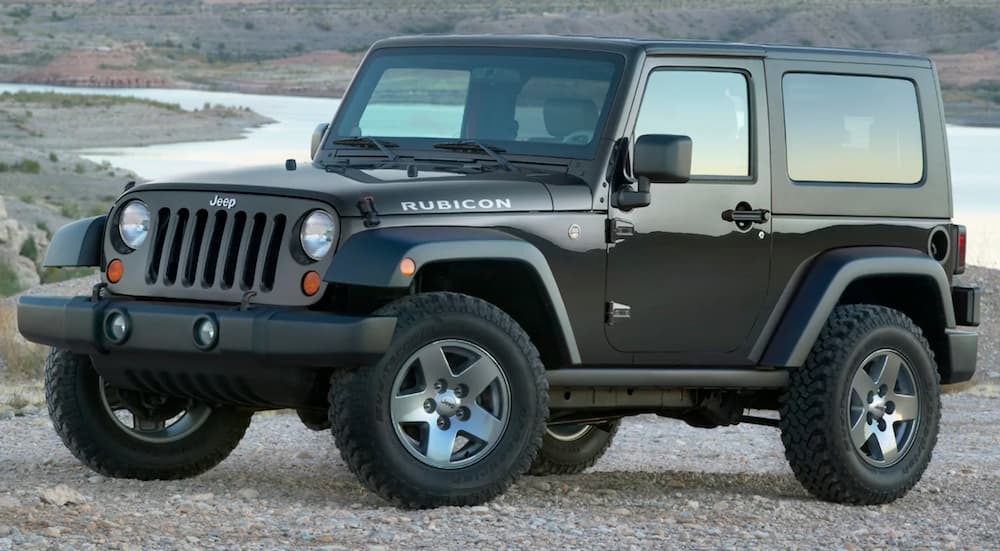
<point>975,152</point>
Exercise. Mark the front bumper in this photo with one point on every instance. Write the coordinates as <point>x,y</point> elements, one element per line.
<point>263,356</point>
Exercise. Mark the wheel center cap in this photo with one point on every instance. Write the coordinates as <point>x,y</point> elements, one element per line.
<point>448,403</point>
<point>877,408</point>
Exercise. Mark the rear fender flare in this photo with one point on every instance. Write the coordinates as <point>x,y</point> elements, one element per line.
<point>825,282</point>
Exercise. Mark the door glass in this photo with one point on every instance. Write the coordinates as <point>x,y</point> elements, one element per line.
<point>712,107</point>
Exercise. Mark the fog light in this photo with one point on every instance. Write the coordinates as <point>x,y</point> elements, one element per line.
<point>206,332</point>
<point>116,327</point>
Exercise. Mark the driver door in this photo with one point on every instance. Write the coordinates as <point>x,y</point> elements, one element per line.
<point>692,284</point>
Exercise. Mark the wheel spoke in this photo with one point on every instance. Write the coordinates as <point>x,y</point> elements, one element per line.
<point>905,407</point>
<point>862,384</point>
<point>434,364</point>
<point>479,375</point>
<point>410,409</point>
<point>482,425</point>
<point>889,370</point>
<point>441,444</point>
<point>887,443</point>
<point>861,431</point>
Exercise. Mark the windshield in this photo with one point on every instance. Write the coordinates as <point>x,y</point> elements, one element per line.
<point>517,100</point>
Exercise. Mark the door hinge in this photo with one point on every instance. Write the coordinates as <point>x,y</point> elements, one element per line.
<point>619,229</point>
<point>616,312</point>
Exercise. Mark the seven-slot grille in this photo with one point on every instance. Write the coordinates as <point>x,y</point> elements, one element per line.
<point>215,250</point>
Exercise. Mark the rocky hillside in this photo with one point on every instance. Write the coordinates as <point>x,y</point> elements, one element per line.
<point>312,46</point>
<point>20,249</point>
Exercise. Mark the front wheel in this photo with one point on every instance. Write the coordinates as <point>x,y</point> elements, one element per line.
<point>860,420</point>
<point>572,449</point>
<point>127,434</point>
<point>452,413</point>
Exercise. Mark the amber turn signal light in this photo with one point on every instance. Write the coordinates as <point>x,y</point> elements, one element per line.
<point>311,283</point>
<point>407,267</point>
<point>115,271</point>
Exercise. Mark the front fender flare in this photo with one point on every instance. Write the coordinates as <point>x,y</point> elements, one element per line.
<point>825,282</point>
<point>77,244</point>
<point>371,258</point>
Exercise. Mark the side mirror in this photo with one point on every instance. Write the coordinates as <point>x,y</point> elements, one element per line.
<point>662,158</point>
<point>317,139</point>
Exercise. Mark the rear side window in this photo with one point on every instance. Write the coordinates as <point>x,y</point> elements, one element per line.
<point>852,129</point>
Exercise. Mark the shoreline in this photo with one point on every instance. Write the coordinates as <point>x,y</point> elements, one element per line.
<point>987,117</point>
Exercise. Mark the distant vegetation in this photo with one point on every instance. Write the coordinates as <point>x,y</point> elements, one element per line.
<point>54,99</point>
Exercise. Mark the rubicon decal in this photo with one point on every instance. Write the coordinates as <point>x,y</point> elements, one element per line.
<point>224,202</point>
<point>456,204</point>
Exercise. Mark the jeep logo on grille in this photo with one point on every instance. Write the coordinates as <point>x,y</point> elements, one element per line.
<point>224,202</point>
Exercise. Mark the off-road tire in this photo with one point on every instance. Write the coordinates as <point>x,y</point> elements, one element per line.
<point>360,415</point>
<point>72,389</point>
<point>572,457</point>
<point>813,422</point>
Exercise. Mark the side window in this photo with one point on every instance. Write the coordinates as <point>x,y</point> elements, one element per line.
<point>854,129</point>
<point>712,107</point>
<point>403,105</point>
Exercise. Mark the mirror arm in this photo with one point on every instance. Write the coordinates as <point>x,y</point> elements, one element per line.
<point>627,199</point>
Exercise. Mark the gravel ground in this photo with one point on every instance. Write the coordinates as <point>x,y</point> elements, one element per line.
<point>662,485</point>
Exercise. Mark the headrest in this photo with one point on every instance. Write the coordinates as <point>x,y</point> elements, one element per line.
<point>563,116</point>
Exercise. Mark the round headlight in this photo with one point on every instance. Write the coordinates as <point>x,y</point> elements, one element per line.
<point>133,224</point>
<point>317,234</point>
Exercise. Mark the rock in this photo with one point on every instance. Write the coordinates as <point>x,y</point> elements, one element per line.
<point>9,502</point>
<point>203,497</point>
<point>96,479</point>
<point>53,531</point>
<point>540,485</point>
<point>61,495</point>
<point>685,517</point>
<point>622,511</point>
<point>248,493</point>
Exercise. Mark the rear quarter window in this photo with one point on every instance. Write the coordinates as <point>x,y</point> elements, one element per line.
<point>852,129</point>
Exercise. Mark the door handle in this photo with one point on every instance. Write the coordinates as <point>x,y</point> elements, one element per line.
<point>745,216</point>
<point>756,216</point>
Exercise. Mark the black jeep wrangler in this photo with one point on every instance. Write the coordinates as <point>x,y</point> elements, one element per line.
<point>504,245</point>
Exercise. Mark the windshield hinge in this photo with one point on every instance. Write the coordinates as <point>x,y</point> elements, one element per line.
<point>367,207</point>
<point>619,230</point>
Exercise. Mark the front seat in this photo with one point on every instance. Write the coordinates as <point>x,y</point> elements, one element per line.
<point>567,116</point>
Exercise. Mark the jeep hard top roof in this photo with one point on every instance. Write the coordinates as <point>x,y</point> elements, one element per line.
<point>655,47</point>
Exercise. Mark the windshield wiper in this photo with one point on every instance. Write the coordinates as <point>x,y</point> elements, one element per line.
<point>369,142</point>
<point>473,145</point>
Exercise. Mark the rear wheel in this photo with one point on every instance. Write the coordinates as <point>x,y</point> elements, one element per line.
<point>127,434</point>
<point>572,449</point>
<point>453,412</point>
<point>860,419</point>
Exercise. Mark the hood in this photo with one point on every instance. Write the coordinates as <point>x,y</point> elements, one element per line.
<point>396,192</point>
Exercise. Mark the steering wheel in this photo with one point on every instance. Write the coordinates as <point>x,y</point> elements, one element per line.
<point>578,137</point>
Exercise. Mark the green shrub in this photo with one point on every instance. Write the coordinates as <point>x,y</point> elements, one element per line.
<point>28,166</point>
<point>30,249</point>
<point>53,157</point>
<point>55,275</point>
<point>80,168</point>
<point>8,280</point>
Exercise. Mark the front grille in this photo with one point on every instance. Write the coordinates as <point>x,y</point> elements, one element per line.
<point>201,253</point>
<point>237,250</point>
